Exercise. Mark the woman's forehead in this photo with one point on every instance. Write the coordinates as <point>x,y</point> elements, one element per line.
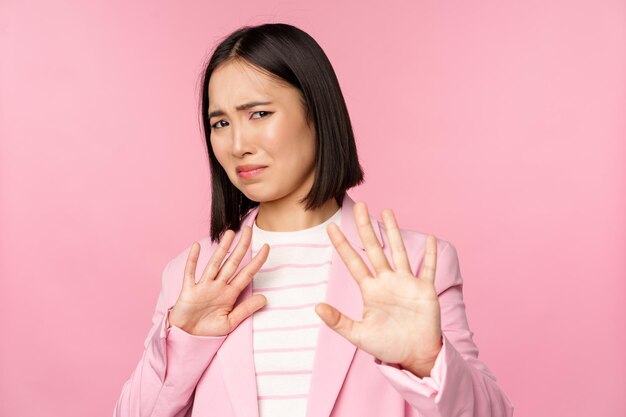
<point>231,86</point>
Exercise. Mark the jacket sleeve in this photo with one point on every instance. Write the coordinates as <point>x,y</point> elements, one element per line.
<point>459,385</point>
<point>164,380</point>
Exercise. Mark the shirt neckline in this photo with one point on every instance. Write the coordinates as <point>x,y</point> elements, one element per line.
<point>310,233</point>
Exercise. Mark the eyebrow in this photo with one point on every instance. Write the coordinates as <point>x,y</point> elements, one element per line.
<point>244,106</point>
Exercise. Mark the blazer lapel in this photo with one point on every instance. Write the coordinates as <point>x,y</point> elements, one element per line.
<point>235,356</point>
<point>333,353</point>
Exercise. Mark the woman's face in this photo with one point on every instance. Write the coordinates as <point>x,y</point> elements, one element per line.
<point>274,135</point>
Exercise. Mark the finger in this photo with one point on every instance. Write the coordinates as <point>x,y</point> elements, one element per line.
<point>233,261</point>
<point>189,276</point>
<point>430,259</point>
<point>245,275</point>
<point>213,266</point>
<point>398,251</point>
<point>338,322</point>
<point>247,307</point>
<point>350,257</point>
<point>370,241</point>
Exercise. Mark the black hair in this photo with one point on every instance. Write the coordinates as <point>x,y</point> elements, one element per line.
<point>289,55</point>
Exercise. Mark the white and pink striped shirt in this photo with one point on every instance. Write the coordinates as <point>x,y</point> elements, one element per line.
<point>293,279</point>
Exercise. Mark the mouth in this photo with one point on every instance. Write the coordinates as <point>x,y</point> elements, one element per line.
<point>251,173</point>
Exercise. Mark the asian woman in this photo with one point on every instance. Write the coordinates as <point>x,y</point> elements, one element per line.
<point>319,309</point>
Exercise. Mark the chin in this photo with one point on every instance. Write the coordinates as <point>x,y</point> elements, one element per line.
<point>259,197</point>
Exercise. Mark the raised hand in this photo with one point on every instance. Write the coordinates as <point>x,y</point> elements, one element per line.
<point>206,308</point>
<point>401,315</point>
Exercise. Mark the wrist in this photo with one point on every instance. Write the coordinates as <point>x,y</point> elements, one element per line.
<point>422,370</point>
<point>422,367</point>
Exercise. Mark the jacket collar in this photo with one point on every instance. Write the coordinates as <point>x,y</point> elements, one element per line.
<point>333,354</point>
<point>348,223</point>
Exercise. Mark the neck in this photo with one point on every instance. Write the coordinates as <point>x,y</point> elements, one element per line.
<point>282,217</point>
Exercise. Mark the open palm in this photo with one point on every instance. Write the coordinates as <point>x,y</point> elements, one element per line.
<point>401,320</point>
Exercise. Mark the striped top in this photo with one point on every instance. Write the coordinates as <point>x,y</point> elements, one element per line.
<point>293,279</point>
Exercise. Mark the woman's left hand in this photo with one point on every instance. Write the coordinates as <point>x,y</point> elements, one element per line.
<point>401,315</point>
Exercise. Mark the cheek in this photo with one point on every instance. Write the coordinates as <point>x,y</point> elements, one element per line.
<point>218,151</point>
<point>306,149</point>
<point>293,141</point>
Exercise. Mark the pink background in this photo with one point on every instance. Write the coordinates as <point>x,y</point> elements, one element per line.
<point>503,123</point>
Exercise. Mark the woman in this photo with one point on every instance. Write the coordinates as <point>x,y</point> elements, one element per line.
<point>236,335</point>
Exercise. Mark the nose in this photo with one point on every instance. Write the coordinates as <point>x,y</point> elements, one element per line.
<point>241,140</point>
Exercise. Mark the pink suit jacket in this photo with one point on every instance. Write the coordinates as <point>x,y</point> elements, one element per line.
<point>180,374</point>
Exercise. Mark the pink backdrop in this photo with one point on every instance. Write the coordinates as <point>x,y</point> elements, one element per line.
<point>503,122</point>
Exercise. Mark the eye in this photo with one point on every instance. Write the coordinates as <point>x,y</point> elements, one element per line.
<point>214,125</point>
<point>261,113</point>
<point>266,113</point>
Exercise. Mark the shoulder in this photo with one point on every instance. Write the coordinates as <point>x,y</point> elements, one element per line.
<point>173,273</point>
<point>414,240</point>
<point>447,269</point>
<point>206,249</point>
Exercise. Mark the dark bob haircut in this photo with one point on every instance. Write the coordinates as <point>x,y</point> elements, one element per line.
<point>290,56</point>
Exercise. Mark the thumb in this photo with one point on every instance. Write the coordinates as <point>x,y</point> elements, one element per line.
<point>337,321</point>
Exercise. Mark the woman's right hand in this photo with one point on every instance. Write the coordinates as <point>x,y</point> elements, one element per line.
<point>206,308</point>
